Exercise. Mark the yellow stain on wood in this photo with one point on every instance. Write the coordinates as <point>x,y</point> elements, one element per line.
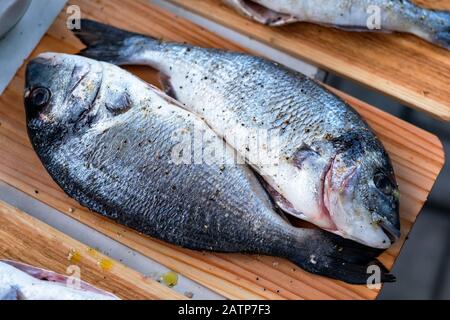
<point>170,279</point>
<point>74,256</point>
<point>28,240</point>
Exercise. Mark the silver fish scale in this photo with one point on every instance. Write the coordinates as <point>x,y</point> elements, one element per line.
<point>300,111</point>
<point>124,170</point>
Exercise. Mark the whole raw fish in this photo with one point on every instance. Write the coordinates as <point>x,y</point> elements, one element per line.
<point>322,162</point>
<point>353,15</point>
<point>117,145</point>
<point>20,281</point>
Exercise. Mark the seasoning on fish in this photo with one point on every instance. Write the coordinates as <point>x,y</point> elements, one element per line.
<point>114,143</point>
<point>352,15</point>
<point>20,281</point>
<point>323,163</point>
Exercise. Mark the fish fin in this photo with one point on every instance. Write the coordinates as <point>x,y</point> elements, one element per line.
<point>283,215</point>
<point>281,202</point>
<point>107,43</point>
<point>281,205</point>
<point>260,13</point>
<point>164,80</point>
<point>329,255</point>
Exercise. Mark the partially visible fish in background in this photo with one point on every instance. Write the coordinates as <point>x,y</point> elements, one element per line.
<point>109,140</point>
<point>352,15</point>
<point>20,281</point>
<point>327,166</point>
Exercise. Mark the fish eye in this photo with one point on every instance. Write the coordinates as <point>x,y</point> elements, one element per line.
<point>383,183</point>
<point>40,97</point>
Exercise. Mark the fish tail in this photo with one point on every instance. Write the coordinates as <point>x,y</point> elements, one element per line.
<point>329,255</point>
<point>107,43</point>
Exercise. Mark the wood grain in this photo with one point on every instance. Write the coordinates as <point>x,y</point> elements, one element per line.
<point>417,156</point>
<point>28,240</point>
<point>399,65</point>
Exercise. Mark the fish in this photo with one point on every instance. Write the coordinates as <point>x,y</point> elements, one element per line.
<point>360,15</point>
<point>320,162</point>
<point>124,149</point>
<point>19,281</point>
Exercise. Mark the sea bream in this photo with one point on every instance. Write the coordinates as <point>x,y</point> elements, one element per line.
<point>352,15</point>
<point>19,281</point>
<point>323,163</point>
<point>118,146</point>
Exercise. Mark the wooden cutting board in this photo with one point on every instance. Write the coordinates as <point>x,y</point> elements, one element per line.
<point>417,156</point>
<point>399,65</point>
<point>27,240</point>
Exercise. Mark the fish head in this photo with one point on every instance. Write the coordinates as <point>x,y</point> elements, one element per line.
<point>60,91</point>
<point>361,193</point>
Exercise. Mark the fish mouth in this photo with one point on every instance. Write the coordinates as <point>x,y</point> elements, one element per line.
<point>337,202</point>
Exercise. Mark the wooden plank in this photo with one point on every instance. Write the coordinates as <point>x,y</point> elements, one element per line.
<point>417,156</point>
<point>28,240</point>
<point>399,65</point>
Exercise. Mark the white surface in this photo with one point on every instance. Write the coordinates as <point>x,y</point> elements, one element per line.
<point>242,40</point>
<point>95,239</point>
<point>17,45</point>
<point>10,13</point>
